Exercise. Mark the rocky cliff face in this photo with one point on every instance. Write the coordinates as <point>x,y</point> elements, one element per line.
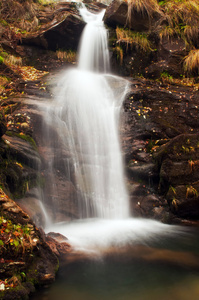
<point>145,41</point>
<point>26,259</point>
<point>160,143</point>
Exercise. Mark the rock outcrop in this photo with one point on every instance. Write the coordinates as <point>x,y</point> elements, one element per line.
<point>127,14</point>
<point>32,263</point>
<point>60,34</point>
<point>160,143</point>
<point>143,25</point>
<point>178,161</point>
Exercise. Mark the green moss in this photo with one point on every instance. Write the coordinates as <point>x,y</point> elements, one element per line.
<point>24,137</point>
<point>1,60</point>
<point>3,22</point>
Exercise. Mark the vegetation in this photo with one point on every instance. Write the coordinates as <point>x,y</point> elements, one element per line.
<point>69,55</point>
<point>14,239</point>
<point>191,62</point>
<point>142,6</point>
<point>182,18</point>
<point>134,39</point>
<point>174,20</point>
<point>120,54</point>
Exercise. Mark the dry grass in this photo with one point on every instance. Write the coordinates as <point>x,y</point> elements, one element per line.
<point>191,62</point>
<point>3,81</point>
<point>182,17</point>
<point>120,54</point>
<point>69,56</point>
<point>136,39</point>
<point>192,34</point>
<point>167,32</point>
<point>184,12</point>
<point>144,6</point>
<point>11,10</point>
<point>13,60</point>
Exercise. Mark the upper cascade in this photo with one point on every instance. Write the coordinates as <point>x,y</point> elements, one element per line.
<point>93,50</point>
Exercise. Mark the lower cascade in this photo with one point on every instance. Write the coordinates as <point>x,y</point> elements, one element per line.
<point>84,119</point>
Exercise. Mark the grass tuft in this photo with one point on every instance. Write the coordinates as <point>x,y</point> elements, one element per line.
<point>144,6</point>
<point>135,39</point>
<point>191,62</point>
<point>192,34</point>
<point>69,56</point>
<point>13,60</point>
<point>120,54</point>
<point>182,12</point>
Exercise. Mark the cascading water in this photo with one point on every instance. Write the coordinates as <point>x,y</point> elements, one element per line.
<point>85,114</point>
<point>94,53</point>
<point>82,144</point>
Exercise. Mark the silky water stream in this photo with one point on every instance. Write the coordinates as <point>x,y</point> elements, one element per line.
<point>122,257</point>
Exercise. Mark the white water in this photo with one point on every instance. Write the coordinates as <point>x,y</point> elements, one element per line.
<point>94,53</point>
<point>86,115</point>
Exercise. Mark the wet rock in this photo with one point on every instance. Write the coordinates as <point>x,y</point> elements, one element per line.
<point>121,13</point>
<point>156,119</point>
<point>184,200</point>
<point>58,245</point>
<point>116,13</point>
<point>179,174</point>
<point>142,170</point>
<point>3,126</point>
<point>39,265</point>
<point>32,204</point>
<point>59,34</point>
<point>60,190</point>
<point>23,151</point>
<point>170,55</point>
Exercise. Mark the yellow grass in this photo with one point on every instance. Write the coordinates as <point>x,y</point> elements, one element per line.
<point>144,6</point>
<point>167,32</point>
<point>136,39</point>
<point>192,33</point>
<point>191,62</point>
<point>69,56</point>
<point>182,12</point>
<point>120,54</point>
<point>13,60</point>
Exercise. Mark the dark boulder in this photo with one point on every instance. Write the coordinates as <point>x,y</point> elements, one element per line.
<point>123,14</point>
<point>59,34</point>
<point>178,161</point>
<point>3,126</point>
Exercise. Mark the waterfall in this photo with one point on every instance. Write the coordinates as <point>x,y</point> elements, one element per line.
<point>84,118</point>
<point>86,112</point>
<point>94,53</point>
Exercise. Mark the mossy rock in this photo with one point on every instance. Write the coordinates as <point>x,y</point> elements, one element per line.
<point>3,126</point>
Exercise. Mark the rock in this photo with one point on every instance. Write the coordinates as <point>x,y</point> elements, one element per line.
<point>142,171</point>
<point>58,245</point>
<point>32,204</point>
<point>153,134</point>
<point>23,151</point>
<point>116,13</point>
<point>179,174</point>
<point>3,126</point>
<point>39,265</point>
<point>59,34</point>
<point>170,55</point>
<point>62,191</point>
<point>57,236</point>
<point>184,200</point>
<point>119,12</point>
